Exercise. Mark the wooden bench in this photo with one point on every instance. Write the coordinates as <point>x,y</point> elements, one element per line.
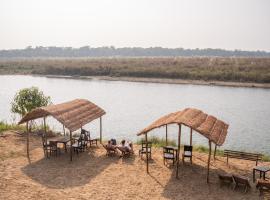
<point>242,155</point>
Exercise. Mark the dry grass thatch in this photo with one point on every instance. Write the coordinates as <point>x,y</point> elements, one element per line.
<point>73,114</point>
<point>207,125</point>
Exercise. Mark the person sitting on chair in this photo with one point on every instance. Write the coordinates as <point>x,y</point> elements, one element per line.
<point>126,147</point>
<point>110,145</point>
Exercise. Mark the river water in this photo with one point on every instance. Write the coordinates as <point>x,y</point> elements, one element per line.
<point>131,106</point>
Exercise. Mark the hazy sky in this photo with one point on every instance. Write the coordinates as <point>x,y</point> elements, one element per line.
<point>228,24</point>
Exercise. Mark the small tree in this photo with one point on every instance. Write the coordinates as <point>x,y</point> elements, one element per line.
<point>28,99</point>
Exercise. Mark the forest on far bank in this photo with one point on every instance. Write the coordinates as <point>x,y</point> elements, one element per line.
<point>111,51</point>
<point>236,69</point>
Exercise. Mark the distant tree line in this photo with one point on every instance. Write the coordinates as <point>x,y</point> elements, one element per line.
<point>111,51</point>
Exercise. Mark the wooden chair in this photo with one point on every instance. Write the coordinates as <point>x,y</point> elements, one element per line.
<point>78,145</point>
<point>88,138</point>
<point>263,186</point>
<point>168,154</point>
<point>125,152</point>
<point>46,147</point>
<point>143,149</point>
<point>49,148</point>
<point>54,149</point>
<point>225,179</point>
<point>109,151</point>
<point>187,153</point>
<point>84,140</point>
<point>241,181</point>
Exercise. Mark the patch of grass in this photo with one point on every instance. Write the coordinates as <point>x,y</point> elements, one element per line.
<point>204,149</point>
<point>4,126</point>
<point>158,142</point>
<point>266,158</point>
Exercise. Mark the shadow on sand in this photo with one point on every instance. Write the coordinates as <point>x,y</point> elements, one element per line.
<point>58,172</point>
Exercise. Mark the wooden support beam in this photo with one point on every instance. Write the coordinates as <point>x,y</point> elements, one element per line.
<point>209,158</point>
<point>100,129</point>
<point>64,130</point>
<point>71,143</point>
<point>166,135</point>
<point>178,152</point>
<point>215,151</point>
<point>147,164</point>
<point>45,133</point>
<point>190,140</point>
<point>27,141</point>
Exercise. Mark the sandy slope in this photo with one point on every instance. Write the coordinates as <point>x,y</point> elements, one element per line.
<point>93,175</point>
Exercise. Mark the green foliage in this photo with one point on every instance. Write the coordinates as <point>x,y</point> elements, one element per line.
<point>28,99</point>
<point>5,126</point>
<point>158,142</point>
<point>236,69</point>
<point>266,158</point>
<point>204,149</point>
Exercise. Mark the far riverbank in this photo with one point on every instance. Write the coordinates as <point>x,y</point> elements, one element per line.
<point>165,81</point>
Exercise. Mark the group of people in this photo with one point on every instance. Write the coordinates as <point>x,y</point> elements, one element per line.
<point>124,147</point>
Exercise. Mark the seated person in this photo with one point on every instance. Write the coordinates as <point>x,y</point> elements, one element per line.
<point>126,146</point>
<point>110,145</point>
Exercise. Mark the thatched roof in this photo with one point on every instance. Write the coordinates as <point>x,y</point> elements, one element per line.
<point>73,114</point>
<point>207,125</point>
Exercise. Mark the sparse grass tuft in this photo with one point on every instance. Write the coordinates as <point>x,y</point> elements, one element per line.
<point>4,126</point>
<point>204,149</point>
<point>158,142</point>
<point>266,158</point>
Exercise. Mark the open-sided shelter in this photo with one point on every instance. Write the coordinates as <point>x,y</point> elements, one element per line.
<point>73,115</point>
<point>209,126</point>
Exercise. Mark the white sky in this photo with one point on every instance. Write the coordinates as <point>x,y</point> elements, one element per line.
<point>228,24</point>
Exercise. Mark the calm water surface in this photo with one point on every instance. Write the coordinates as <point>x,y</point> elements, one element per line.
<point>132,106</point>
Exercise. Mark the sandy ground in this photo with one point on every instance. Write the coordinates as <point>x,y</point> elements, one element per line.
<point>93,175</point>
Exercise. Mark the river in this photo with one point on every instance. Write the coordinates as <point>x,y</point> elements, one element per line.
<point>131,106</point>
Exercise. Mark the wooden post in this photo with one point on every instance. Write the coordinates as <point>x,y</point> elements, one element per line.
<point>100,129</point>
<point>190,140</point>
<point>178,152</point>
<point>147,167</point>
<point>166,135</point>
<point>64,130</point>
<point>215,151</point>
<point>27,141</point>
<point>209,158</point>
<point>45,132</point>
<point>71,142</point>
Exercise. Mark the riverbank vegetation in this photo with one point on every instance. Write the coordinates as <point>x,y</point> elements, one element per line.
<point>233,69</point>
<point>4,126</point>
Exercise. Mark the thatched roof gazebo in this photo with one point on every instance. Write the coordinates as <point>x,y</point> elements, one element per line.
<point>73,115</point>
<point>209,126</point>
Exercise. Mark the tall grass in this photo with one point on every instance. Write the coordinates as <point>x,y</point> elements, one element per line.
<point>194,68</point>
<point>158,142</point>
<point>4,126</point>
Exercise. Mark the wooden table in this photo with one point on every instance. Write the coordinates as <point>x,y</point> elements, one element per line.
<point>60,139</point>
<point>262,169</point>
